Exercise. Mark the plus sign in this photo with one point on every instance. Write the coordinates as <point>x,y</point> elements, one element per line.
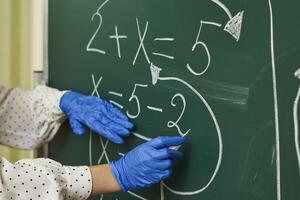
<point>117,37</point>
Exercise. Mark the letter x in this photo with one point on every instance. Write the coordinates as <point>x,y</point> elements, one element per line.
<point>104,152</point>
<point>142,38</point>
<point>96,85</point>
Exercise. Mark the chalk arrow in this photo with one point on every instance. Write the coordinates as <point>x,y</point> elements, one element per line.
<point>295,115</point>
<point>155,72</point>
<point>297,73</point>
<point>234,25</point>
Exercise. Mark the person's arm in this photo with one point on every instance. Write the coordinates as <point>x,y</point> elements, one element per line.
<point>142,167</point>
<point>29,119</point>
<point>147,164</point>
<point>103,180</point>
<point>46,179</point>
<point>43,179</point>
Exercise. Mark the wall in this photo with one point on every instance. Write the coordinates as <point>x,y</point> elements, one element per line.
<point>21,50</point>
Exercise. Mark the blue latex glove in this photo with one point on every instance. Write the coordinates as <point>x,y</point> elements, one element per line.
<point>147,164</point>
<point>97,114</point>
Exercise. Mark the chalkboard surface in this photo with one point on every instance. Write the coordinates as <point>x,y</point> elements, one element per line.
<point>219,72</point>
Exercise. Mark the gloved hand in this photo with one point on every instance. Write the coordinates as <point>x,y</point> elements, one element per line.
<point>97,114</point>
<point>147,164</point>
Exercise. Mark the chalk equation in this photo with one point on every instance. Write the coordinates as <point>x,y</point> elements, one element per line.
<point>200,48</point>
<point>156,78</point>
<point>233,27</point>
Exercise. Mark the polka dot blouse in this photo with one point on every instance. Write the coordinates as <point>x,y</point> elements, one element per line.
<point>29,119</point>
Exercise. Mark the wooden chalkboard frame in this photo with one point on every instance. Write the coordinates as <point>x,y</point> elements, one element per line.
<point>44,75</point>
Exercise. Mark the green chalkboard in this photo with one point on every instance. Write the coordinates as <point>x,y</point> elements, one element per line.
<point>219,72</point>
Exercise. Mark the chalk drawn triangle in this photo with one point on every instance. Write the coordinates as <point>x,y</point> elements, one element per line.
<point>234,25</point>
<point>154,73</point>
<point>297,73</point>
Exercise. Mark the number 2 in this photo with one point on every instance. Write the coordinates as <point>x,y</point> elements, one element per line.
<point>88,47</point>
<point>172,124</point>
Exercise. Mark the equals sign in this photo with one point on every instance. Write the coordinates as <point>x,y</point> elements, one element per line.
<point>114,102</point>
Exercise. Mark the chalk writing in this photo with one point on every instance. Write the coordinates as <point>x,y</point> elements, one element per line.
<point>234,25</point>
<point>97,14</point>
<point>175,124</point>
<point>155,78</point>
<point>135,98</point>
<point>117,37</point>
<point>296,122</point>
<point>135,105</point>
<point>197,43</point>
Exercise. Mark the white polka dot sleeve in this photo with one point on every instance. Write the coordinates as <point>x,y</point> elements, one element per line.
<point>43,179</point>
<point>29,119</point>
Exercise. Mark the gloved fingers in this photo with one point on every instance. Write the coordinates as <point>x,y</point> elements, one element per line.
<point>111,111</point>
<point>105,132</point>
<point>163,164</point>
<point>97,120</point>
<point>98,116</point>
<point>121,126</point>
<point>118,129</point>
<point>173,154</point>
<point>108,123</point>
<point>166,174</point>
<point>167,153</point>
<point>156,176</point>
<point>118,113</point>
<point>125,123</point>
<point>76,127</point>
<point>103,119</point>
<point>166,141</point>
<point>106,118</point>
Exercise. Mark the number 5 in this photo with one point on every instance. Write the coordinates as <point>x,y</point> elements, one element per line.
<point>197,43</point>
<point>134,97</point>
